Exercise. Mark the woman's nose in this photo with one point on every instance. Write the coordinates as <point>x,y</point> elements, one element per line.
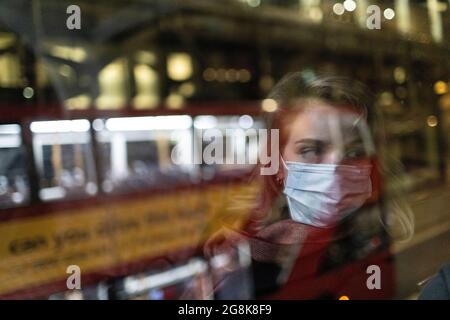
<point>334,156</point>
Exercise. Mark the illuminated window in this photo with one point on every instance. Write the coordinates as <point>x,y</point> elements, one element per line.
<point>147,87</point>
<point>138,152</point>
<point>112,82</point>
<point>80,102</point>
<point>42,76</point>
<point>11,75</point>
<point>179,66</point>
<point>64,159</point>
<point>14,187</point>
<point>77,54</point>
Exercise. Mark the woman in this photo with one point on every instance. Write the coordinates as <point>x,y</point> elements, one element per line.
<point>327,173</point>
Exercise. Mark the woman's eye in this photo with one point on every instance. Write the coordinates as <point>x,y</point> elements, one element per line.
<point>355,152</point>
<point>308,150</point>
<point>309,154</point>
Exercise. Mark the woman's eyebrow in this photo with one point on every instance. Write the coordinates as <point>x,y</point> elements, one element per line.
<point>311,141</point>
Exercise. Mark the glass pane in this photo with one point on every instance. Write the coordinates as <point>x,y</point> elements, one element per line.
<point>64,160</point>
<point>14,184</point>
<point>138,153</point>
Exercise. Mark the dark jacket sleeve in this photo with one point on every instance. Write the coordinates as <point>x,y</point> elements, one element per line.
<point>438,287</point>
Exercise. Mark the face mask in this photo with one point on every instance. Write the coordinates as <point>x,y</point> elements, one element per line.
<point>322,194</point>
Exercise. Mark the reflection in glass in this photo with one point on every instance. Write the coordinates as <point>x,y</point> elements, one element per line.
<point>64,159</point>
<point>14,188</point>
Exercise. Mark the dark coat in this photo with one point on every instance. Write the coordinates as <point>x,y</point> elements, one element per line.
<point>438,287</point>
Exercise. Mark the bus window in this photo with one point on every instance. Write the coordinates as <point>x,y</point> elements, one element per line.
<point>64,160</point>
<point>140,152</point>
<point>14,187</point>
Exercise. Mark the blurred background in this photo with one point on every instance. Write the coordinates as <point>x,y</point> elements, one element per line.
<point>89,118</point>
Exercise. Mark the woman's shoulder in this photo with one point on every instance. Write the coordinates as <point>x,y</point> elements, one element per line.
<point>438,287</point>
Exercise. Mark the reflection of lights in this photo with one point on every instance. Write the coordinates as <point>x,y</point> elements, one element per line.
<point>79,102</point>
<point>110,101</point>
<point>441,6</point>
<point>231,75</point>
<point>76,54</point>
<point>11,74</point>
<point>389,13</point>
<point>147,87</point>
<point>6,40</point>
<point>146,101</point>
<point>80,125</point>
<point>399,75</point>
<point>349,5</point>
<point>440,87</point>
<point>220,261</point>
<point>245,121</point>
<point>146,57</point>
<point>338,9</point>
<point>112,71</point>
<point>316,14</point>
<point>98,124</point>
<point>209,74</point>
<point>269,105</point>
<point>266,83</point>
<point>149,123</point>
<point>444,102</point>
<point>9,129</point>
<point>174,101</point>
<point>28,92</point>
<point>42,75</point>
<point>144,74</point>
<point>244,75</point>
<point>91,188</point>
<point>254,3</point>
<point>226,75</point>
<point>17,197</point>
<point>386,98</point>
<point>221,75</point>
<point>74,295</point>
<point>107,186</point>
<point>112,85</point>
<point>432,121</point>
<point>65,70</point>
<point>10,136</point>
<point>135,285</point>
<point>52,193</point>
<point>10,141</point>
<point>187,89</point>
<point>205,122</point>
<point>179,66</point>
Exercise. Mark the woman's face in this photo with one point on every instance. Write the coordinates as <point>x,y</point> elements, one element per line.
<point>324,134</point>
